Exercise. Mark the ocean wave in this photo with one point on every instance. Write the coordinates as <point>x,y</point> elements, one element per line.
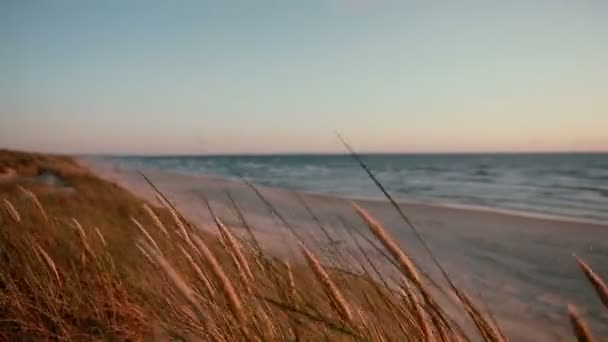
<point>598,190</point>
<point>535,183</point>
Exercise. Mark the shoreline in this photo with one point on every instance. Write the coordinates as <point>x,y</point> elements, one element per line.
<point>453,205</point>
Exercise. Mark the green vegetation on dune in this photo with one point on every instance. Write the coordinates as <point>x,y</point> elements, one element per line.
<point>83,259</point>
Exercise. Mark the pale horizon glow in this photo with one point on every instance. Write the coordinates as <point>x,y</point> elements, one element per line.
<point>198,77</point>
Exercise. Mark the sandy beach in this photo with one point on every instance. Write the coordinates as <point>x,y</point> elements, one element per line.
<point>520,267</point>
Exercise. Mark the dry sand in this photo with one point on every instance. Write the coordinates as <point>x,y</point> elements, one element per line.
<point>521,267</point>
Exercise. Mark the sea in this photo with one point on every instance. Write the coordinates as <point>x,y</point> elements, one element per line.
<point>567,186</point>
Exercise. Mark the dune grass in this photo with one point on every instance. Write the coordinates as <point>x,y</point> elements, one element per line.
<point>83,259</point>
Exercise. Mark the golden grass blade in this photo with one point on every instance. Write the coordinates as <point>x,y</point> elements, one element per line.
<point>48,260</point>
<point>101,238</point>
<point>600,286</point>
<point>292,285</point>
<point>199,272</point>
<point>13,213</point>
<point>241,216</point>
<point>268,327</point>
<point>34,199</point>
<point>374,332</point>
<point>146,234</point>
<point>235,262</point>
<point>419,315</point>
<point>236,248</point>
<point>145,253</point>
<point>314,317</point>
<point>234,301</point>
<point>366,325</point>
<point>580,327</point>
<point>180,225</point>
<point>329,286</point>
<point>79,228</point>
<point>155,218</point>
<point>83,239</point>
<point>179,283</point>
<point>160,199</point>
<point>176,217</point>
<point>488,331</point>
<point>405,263</point>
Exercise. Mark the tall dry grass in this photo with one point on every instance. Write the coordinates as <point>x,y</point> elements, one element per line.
<point>178,282</point>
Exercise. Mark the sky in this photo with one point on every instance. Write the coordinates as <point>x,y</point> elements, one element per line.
<point>198,77</point>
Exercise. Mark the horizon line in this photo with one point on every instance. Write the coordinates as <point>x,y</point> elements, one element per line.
<point>307,153</point>
<point>331,154</point>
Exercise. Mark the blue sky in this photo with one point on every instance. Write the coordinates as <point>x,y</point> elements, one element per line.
<point>280,76</point>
